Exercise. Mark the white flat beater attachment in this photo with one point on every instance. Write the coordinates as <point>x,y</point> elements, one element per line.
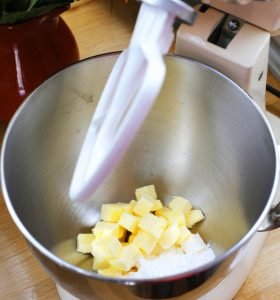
<point>132,88</point>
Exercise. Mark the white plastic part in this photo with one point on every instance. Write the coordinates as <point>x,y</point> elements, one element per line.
<point>131,90</point>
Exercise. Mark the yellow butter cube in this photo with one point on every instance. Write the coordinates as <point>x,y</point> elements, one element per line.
<point>109,272</point>
<point>172,216</point>
<point>169,236</point>
<point>125,243</point>
<point>131,238</point>
<point>129,222</point>
<point>194,244</point>
<point>112,212</point>
<point>132,203</point>
<point>128,206</point>
<point>164,212</point>
<point>153,225</point>
<point>184,235</point>
<point>157,205</point>
<point>177,216</point>
<point>103,228</point>
<point>106,247</point>
<point>128,258</point>
<point>193,217</point>
<point>99,263</point>
<point>122,233</point>
<point>149,191</point>
<point>84,241</point>
<point>158,250</point>
<point>144,241</point>
<point>143,205</point>
<point>181,204</point>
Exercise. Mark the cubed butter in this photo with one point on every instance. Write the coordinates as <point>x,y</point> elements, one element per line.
<point>143,228</point>
<point>169,236</point>
<point>172,215</point>
<point>145,241</point>
<point>157,205</point>
<point>122,233</point>
<point>152,225</point>
<point>127,207</point>
<point>143,205</point>
<point>131,238</point>
<point>129,222</point>
<point>106,247</point>
<point>127,259</point>
<point>180,204</point>
<point>132,203</point>
<point>149,191</point>
<point>177,216</point>
<point>84,241</point>
<point>194,244</point>
<point>158,250</point>
<point>163,212</point>
<point>184,235</point>
<point>103,228</point>
<point>109,272</point>
<point>193,217</point>
<point>112,212</point>
<point>99,263</point>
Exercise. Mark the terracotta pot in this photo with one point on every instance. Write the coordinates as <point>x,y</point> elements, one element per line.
<point>30,52</point>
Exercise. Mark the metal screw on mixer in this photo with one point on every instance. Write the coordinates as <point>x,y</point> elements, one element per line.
<point>233,24</point>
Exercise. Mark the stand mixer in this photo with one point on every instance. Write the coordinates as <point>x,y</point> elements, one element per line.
<point>233,39</point>
<point>44,213</point>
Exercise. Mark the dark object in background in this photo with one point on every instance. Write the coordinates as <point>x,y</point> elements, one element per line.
<point>30,52</point>
<point>15,11</point>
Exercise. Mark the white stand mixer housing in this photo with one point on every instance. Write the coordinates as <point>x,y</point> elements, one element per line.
<point>245,61</point>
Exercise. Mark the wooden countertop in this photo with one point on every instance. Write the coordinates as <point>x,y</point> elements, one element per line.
<point>99,29</point>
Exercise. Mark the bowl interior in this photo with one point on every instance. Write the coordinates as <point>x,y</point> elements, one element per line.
<point>203,140</point>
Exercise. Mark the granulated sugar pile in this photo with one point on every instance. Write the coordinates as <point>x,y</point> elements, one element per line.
<point>191,255</point>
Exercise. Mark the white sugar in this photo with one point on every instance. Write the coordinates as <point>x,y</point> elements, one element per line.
<point>194,253</point>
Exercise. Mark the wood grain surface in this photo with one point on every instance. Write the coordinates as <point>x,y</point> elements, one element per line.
<point>98,28</point>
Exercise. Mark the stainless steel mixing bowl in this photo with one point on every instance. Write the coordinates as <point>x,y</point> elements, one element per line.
<point>204,139</point>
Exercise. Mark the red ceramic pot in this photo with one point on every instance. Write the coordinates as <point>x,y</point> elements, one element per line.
<point>30,52</point>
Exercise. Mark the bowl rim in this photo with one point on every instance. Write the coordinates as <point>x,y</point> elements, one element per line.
<point>134,281</point>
